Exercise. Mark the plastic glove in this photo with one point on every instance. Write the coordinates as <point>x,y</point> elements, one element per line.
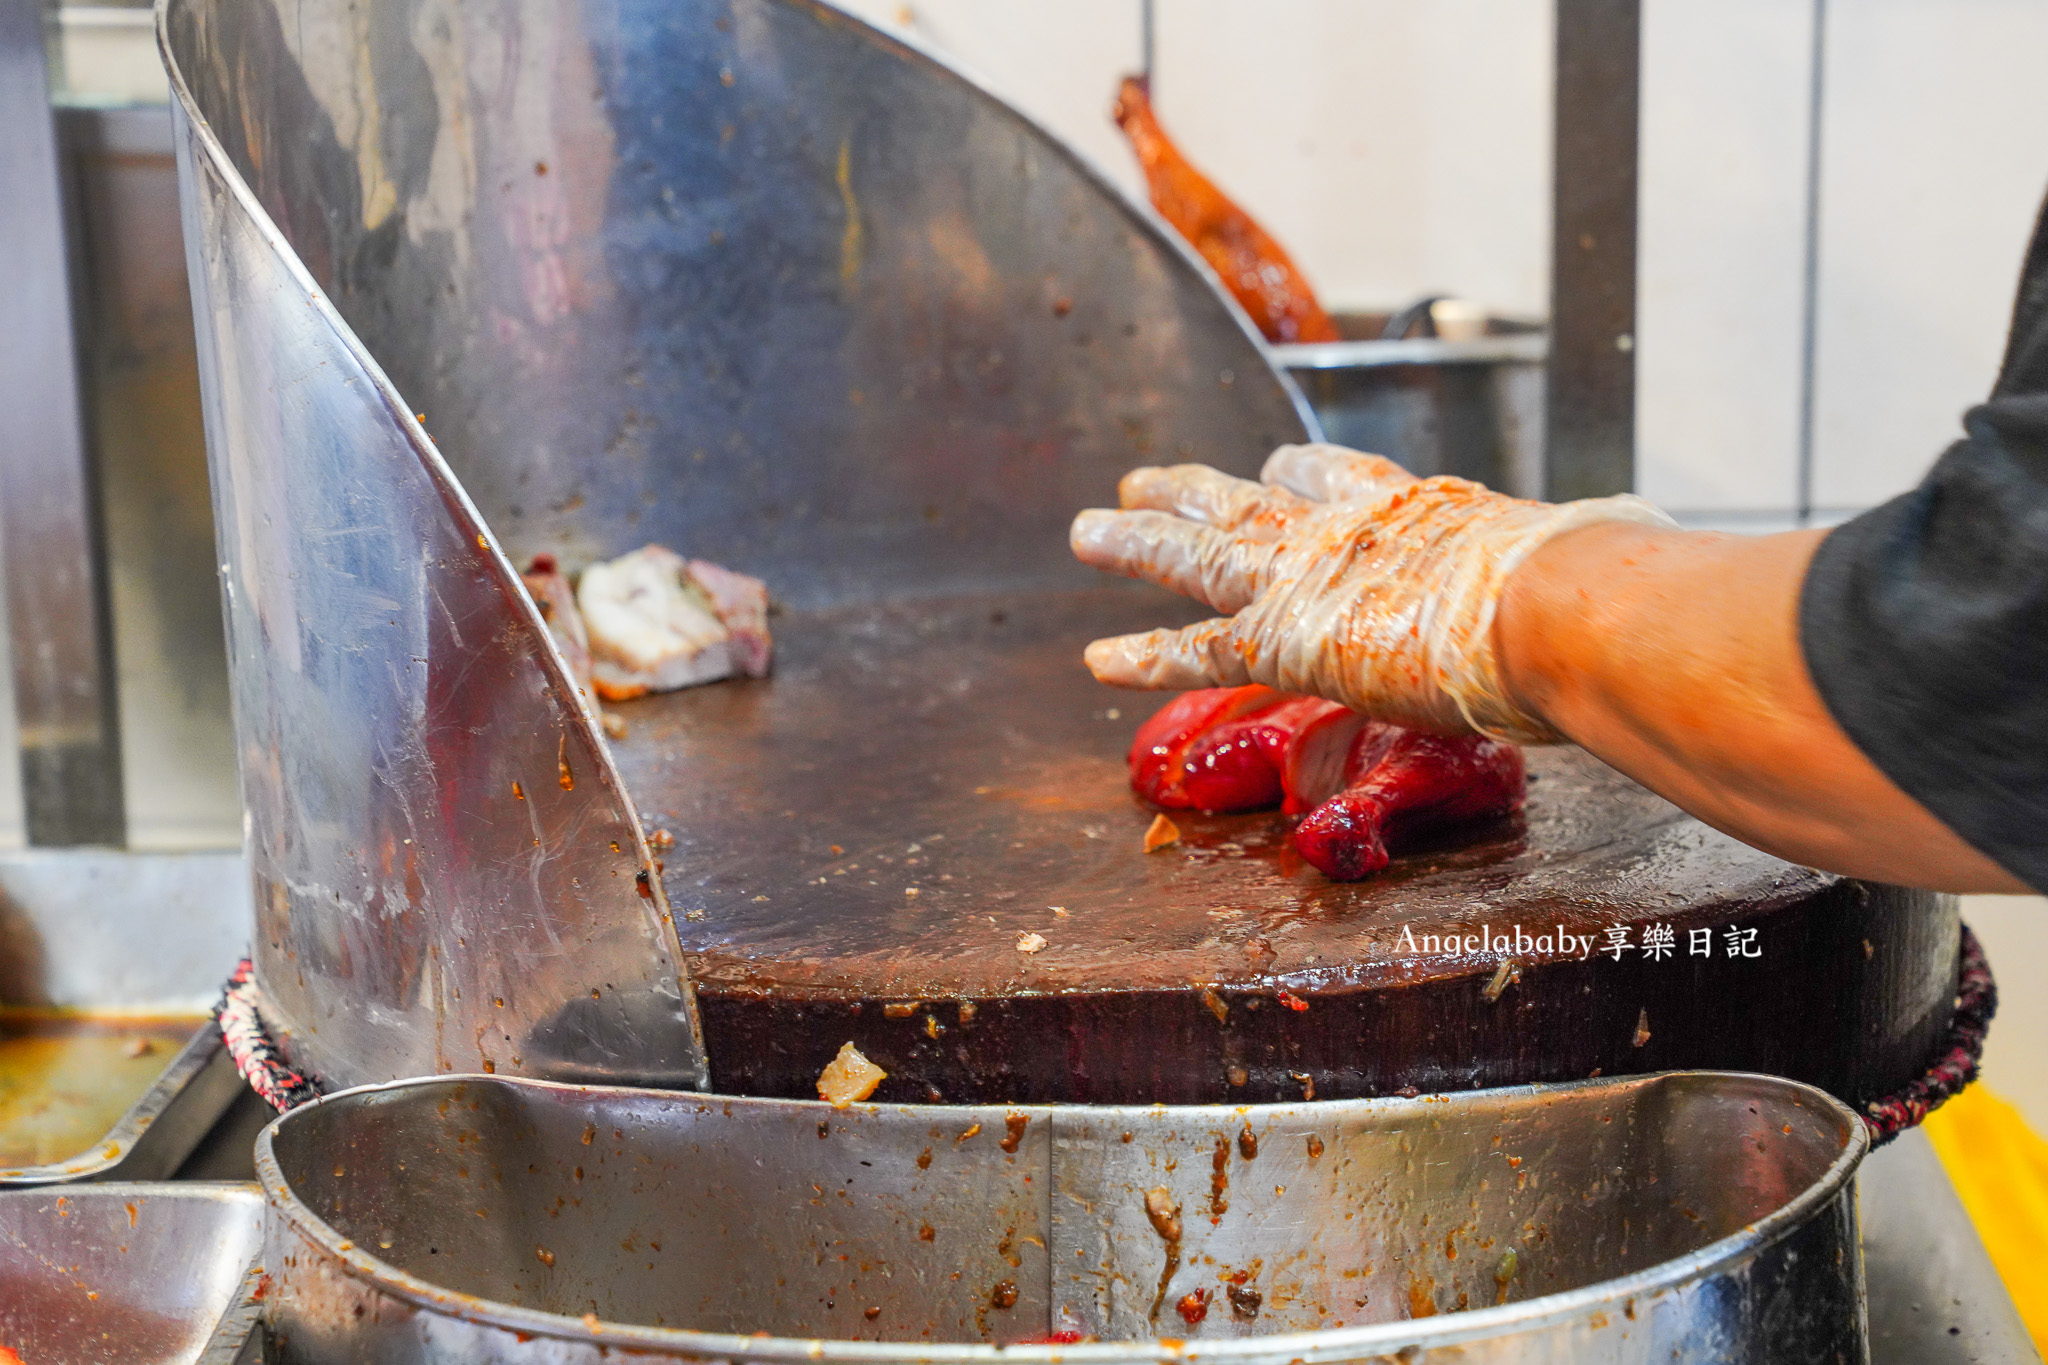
<point>1345,577</point>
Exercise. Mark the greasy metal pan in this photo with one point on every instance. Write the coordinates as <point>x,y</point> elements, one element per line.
<point>126,1272</point>
<point>1466,405</point>
<point>1677,1217</point>
<point>160,1129</point>
<point>110,1064</point>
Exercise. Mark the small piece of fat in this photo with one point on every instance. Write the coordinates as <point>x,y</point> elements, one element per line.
<point>652,629</point>
<point>652,621</point>
<point>1162,834</point>
<point>741,604</point>
<point>1029,942</point>
<point>849,1078</point>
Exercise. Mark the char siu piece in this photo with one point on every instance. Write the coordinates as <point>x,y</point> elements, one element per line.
<point>1366,787</point>
<point>1254,268</point>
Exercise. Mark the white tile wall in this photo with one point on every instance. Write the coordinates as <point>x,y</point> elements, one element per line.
<point>1400,148</point>
<point>1721,262</point>
<point>1397,148</point>
<point>1935,158</point>
<point>2014,932</point>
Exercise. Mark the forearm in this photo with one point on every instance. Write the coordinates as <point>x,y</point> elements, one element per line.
<point>1674,656</point>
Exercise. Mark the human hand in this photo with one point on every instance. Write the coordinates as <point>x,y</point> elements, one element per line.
<point>1342,575</point>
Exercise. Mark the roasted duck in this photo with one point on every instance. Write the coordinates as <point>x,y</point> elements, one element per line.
<point>1254,267</point>
<point>1363,787</point>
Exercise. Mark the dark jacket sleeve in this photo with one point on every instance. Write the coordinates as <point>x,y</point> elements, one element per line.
<point>1925,621</point>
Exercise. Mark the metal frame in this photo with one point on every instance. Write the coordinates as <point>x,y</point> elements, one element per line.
<point>1589,445</point>
<point>50,539</point>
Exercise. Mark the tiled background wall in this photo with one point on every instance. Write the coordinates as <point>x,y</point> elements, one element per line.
<point>1936,154</point>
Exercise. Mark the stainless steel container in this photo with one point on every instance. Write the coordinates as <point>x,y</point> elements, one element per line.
<point>129,1272</point>
<point>159,1129</point>
<point>1470,405</point>
<point>1683,1217</point>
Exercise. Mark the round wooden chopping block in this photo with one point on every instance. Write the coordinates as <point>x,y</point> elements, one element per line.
<point>868,847</point>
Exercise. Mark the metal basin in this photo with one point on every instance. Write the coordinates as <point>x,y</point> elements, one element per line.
<point>1686,1216</point>
<point>1470,406</point>
<point>128,1272</point>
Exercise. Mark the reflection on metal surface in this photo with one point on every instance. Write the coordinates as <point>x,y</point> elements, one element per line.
<point>123,1271</point>
<point>750,279</point>
<point>1688,1217</point>
<point>56,602</point>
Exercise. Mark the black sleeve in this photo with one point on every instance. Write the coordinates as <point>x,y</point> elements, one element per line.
<point>1925,621</point>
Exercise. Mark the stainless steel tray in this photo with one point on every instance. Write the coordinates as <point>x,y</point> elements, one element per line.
<point>1471,406</point>
<point>1684,1217</point>
<point>129,1272</point>
<point>160,1128</point>
<point>106,946</point>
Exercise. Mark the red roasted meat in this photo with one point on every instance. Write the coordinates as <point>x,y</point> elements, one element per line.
<point>1367,787</point>
<point>1237,764</point>
<point>1160,753</point>
<point>1417,785</point>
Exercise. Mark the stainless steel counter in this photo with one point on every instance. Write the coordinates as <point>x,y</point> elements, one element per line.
<point>1934,1297</point>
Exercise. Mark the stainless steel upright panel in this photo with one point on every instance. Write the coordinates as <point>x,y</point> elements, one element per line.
<point>478,279</point>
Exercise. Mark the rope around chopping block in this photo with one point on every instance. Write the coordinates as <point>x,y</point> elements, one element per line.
<point>256,1056</point>
<point>1955,1065</point>
<point>285,1088</point>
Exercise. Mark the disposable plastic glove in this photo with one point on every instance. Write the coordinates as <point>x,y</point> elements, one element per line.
<point>1344,577</point>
